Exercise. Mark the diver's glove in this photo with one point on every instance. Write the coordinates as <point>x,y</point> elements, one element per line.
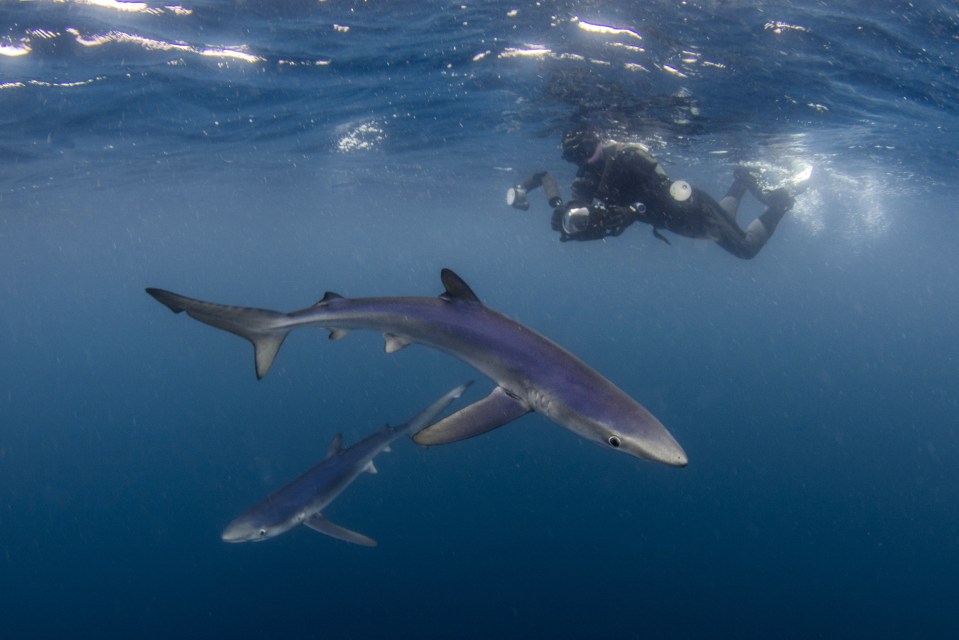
<point>612,217</point>
<point>612,220</point>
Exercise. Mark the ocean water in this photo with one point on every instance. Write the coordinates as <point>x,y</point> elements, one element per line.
<point>262,153</point>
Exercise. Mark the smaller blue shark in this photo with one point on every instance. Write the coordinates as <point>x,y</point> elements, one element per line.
<point>303,500</point>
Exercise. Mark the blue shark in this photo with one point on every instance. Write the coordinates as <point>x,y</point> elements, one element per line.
<point>531,372</point>
<point>302,501</point>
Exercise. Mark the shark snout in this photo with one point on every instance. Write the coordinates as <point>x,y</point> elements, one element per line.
<point>241,530</point>
<point>653,442</point>
<point>234,534</point>
<point>667,451</point>
<point>676,457</point>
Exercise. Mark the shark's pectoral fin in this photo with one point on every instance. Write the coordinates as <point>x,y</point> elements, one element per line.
<point>495,410</point>
<point>319,523</point>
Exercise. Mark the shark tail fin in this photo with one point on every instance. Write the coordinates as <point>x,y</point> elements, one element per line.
<point>263,328</point>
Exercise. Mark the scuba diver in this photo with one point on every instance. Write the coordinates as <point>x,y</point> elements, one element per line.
<point>618,184</point>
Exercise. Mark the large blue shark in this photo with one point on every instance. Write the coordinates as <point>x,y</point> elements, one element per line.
<point>532,373</point>
<point>303,500</point>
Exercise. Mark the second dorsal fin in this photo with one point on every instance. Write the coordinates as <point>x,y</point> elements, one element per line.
<point>329,295</point>
<point>335,446</point>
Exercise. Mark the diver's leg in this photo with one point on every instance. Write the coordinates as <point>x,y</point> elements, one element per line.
<point>748,244</point>
<point>730,201</point>
<point>773,198</point>
<point>750,181</point>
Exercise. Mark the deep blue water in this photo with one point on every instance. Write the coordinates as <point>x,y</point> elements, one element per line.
<point>261,153</point>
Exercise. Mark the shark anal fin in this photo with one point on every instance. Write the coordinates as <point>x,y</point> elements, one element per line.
<point>370,467</point>
<point>493,411</point>
<point>339,334</point>
<point>318,523</point>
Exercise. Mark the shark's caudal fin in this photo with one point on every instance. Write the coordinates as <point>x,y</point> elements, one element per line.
<point>491,412</point>
<point>260,326</point>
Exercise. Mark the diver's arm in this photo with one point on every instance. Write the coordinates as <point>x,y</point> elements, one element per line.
<point>584,188</point>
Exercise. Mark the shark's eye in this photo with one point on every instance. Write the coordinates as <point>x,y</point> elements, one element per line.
<point>262,532</point>
<point>614,442</point>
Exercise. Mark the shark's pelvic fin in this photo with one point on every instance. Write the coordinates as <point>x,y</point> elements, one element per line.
<point>491,412</point>
<point>324,526</point>
<point>456,288</point>
<point>394,342</point>
<point>370,467</point>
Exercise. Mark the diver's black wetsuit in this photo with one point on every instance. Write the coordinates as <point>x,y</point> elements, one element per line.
<point>623,183</point>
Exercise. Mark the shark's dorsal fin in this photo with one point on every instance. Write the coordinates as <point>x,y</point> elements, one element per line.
<point>456,289</point>
<point>335,446</point>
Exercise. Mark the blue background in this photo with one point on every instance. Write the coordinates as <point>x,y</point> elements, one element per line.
<point>263,153</point>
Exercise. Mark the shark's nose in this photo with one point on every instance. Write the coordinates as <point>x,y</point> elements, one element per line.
<point>680,459</point>
<point>669,452</point>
